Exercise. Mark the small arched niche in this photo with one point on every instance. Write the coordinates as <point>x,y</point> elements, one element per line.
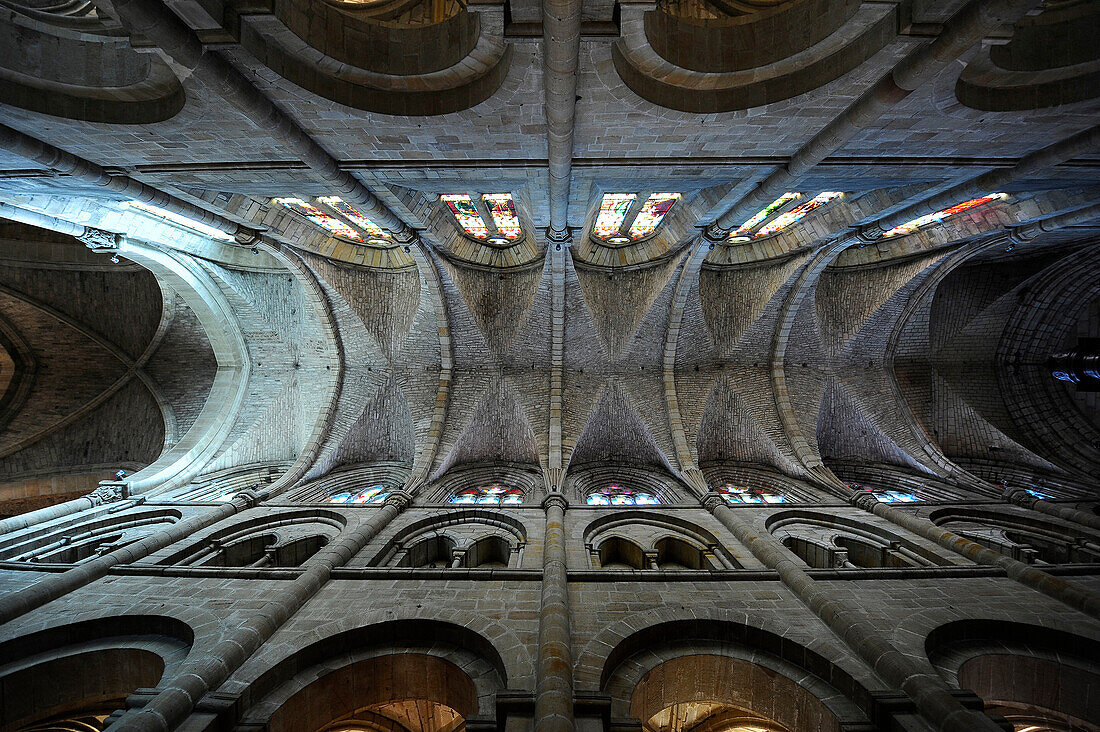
<point>619,553</point>
<point>711,692</point>
<point>407,691</point>
<point>434,551</point>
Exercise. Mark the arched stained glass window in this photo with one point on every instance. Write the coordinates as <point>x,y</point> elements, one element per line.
<point>741,233</point>
<point>887,496</point>
<point>353,215</point>
<point>740,494</point>
<point>621,221</point>
<point>175,218</point>
<point>326,221</point>
<point>500,227</point>
<point>910,226</point>
<point>617,495</point>
<point>797,213</point>
<point>493,495</point>
<point>1039,494</point>
<point>375,494</point>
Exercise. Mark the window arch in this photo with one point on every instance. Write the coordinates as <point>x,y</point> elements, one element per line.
<point>376,493</point>
<point>618,495</point>
<point>934,218</point>
<point>627,217</point>
<point>491,495</point>
<point>492,218</point>
<point>780,214</point>
<point>743,494</point>
<point>339,218</point>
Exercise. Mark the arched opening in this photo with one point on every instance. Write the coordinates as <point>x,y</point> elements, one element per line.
<point>492,551</point>
<point>435,551</point>
<point>675,554</point>
<point>407,691</point>
<point>872,556</point>
<point>619,553</point>
<point>711,693</point>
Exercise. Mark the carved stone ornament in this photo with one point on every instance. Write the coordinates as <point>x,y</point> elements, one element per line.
<point>108,492</point>
<point>99,240</point>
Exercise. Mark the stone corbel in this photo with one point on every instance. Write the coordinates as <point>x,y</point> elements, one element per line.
<point>109,491</point>
<point>99,240</point>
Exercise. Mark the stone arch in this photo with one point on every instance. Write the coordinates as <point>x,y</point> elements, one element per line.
<point>648,530</point>
<point>617,552</point>
<point>460,531</point>
<point>280,539</point>
<point>101,661</point>
<point>666,635</point>
<point>664,487</point>
<point>78,541</point>
<point>825,541</point>
<point>460,667</point>
<point>1029,674</point>
<point>1022,535</point>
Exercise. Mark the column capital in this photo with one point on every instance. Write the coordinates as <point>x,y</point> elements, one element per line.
<point>712,500</point>
<point>1020,497</point>
<point>109,491</point>
<point>100,240</point>
<point>863,499</point>
<point>715,234</point>
<point>555,500</point>
<point>398,499</point>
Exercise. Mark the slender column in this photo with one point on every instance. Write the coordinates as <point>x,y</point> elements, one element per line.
<point>1025,500</point>
<point>554,685</point>
<point>561,41</point>
<point>931,696</point>
<point>172,705</point>
<point>1055,587</point>
<point>96,498</point>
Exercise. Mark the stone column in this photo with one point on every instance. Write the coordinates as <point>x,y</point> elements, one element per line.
<point>554,685</point>
<point>1055,587</point>
<point>177,700</point>
<point>1025,500</point>
<point>932,697</point>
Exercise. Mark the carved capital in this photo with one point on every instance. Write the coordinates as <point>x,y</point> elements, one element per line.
<point>399,500</point>
<point>559,237</point>
<point>863,499</point>
<point>712,500</point>
<point>109,491</point>
<point>407,235</point>
<point>99,240</point>
<point>715,233</point>
<point>869,234</point>
<point>1020,497</point>
<point>555,500</point>
<point>246,236</point>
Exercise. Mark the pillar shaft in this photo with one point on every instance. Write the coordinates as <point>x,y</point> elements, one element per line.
<point>554,685</point>
<point>1025,500</point>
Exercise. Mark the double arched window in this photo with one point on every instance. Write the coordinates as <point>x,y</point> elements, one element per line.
<point>617,495</point>
<point>375,494</point>
<point>780,214</point>
<point>492,495</point>
<point>339,218</point>
<point>741,494</point>
<point>627,217</point>
<point>490,218</point>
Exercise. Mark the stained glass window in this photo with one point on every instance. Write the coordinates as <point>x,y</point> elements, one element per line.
<point>1039,494</point>
<point>741,494</point>
<point>183,221</point>
<point>493,495</point>
<point>503,212</point>
<point>467,215</point>
<point>374,494</point>
<point>652,213</point>
<point>742,231</point>
<point>319,217</point>
<point>613,210</point>
<point>353,215</point>
<point>797,213</point>
<point>887,496</point>
<point>910,226</point>
<point>617,495</point>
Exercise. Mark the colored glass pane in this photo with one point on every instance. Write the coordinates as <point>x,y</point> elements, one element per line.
<point>797,213</point>
<point>175,218</point>
<point>764,213</point>
<point>617,495</point>
<point>353,215</point>
<point>503,211</point>
<point>1039,494</point>
<point>613,210</point>
<point>739,494</point>
<point>467,215</point>
<point>887,496</point>
<point>330,223</point>
<point>910,226</point>
<point>652,213</point>
<point>374,494</point>
<point>493,495</point>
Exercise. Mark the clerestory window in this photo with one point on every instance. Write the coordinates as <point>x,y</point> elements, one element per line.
<point>339,218</point>
<point>375,494</point>
<point>934,218</point>
<point>742,494</point>
<point>780,214</point>
<point>491,218</point>
<point>886,496</point>
<point>492,495</point>
<point>618,495</point>
<point>628,217</point>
